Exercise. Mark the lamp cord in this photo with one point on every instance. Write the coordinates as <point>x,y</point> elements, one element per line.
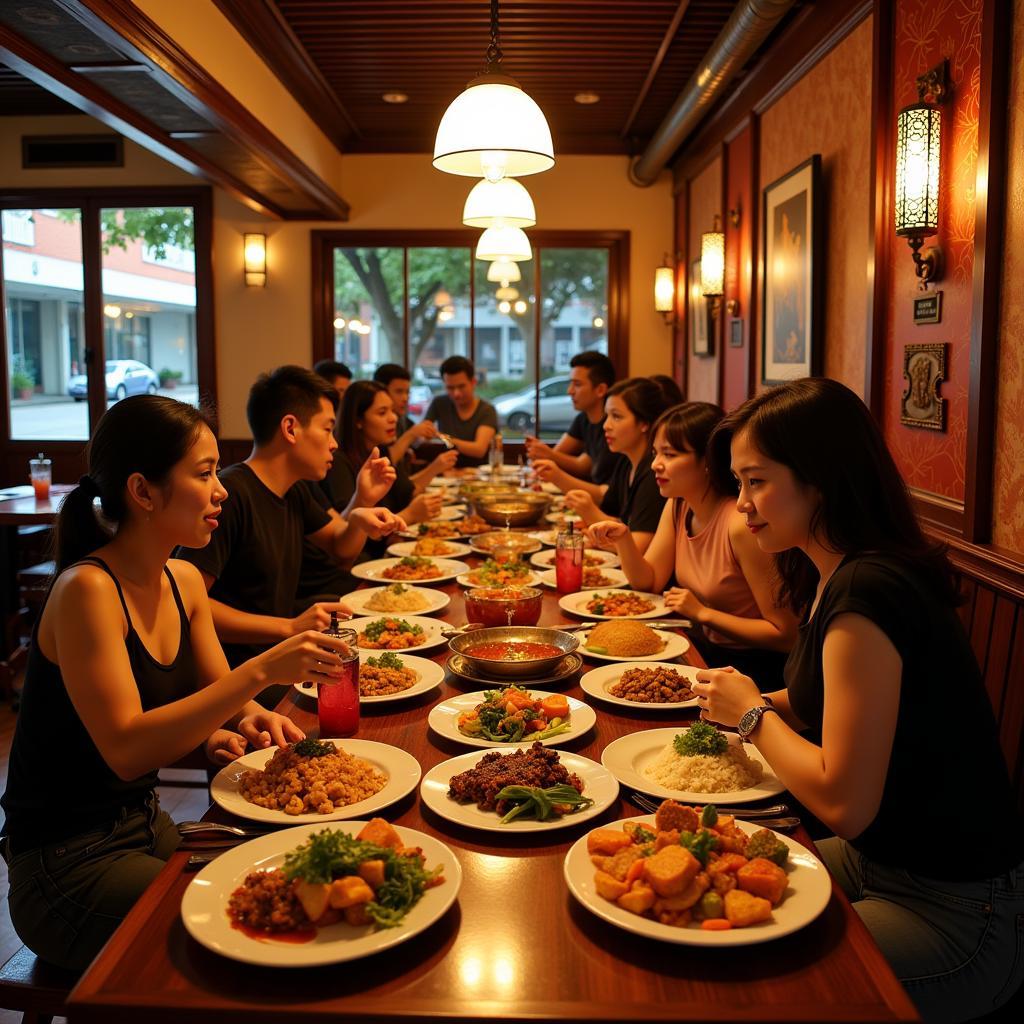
<point>494,53</point>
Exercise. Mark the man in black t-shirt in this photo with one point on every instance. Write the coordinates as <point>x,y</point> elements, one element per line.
<point>581,459</point>
<point>468,423</point>
<point>252,564</point>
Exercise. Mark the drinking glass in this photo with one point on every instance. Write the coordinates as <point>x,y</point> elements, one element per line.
<point>40,473</point>
<point>569,546</point>
<point>338,702</point>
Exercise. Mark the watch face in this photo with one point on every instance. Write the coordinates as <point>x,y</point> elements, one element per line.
<point>748,721</point>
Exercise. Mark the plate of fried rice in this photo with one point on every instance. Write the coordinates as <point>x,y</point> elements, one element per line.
<point>307,781</point>
<point>382,680</point>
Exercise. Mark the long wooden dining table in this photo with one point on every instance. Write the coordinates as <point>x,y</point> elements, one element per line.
<point>514,947</point>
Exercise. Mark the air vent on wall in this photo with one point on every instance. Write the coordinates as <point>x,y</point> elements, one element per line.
<point>39,151</point>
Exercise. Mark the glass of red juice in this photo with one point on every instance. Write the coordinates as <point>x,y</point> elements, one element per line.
<point>338,702</point>
<point>569,561</point>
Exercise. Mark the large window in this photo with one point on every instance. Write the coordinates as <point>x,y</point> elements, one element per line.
<point>419,297</point>
<point>104,297</point>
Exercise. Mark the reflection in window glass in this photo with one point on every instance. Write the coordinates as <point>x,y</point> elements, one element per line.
<point>504,347</point>
<point>573,318</point>
<point>440,323</point>
<point>149,302</point>
<point>45,332</point>
<point>369,293</point>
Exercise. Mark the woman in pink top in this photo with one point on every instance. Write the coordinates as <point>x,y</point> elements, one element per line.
<point>723,579</point>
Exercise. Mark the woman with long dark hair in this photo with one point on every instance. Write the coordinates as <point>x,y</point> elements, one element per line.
<point>884,730</point>
<point>723,578</point>
<point>631,408</point>
<point>125,676</point>
<point>367,421</point>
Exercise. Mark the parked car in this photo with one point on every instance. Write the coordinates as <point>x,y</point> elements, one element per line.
<point>124,377</point>
<point>419,401</point>
<point>518,410</point>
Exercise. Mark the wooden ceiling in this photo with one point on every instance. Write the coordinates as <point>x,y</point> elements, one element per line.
<point>339,57</point>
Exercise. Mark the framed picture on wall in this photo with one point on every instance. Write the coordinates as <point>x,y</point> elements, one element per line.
<point>701,334</point>
<point>793,231</point>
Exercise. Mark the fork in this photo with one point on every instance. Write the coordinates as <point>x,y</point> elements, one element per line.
<point>659,624</point>
<point>651,806</point>
<point>191,828</point>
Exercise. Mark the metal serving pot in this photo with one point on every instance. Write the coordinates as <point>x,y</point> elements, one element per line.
<point>531,668</point>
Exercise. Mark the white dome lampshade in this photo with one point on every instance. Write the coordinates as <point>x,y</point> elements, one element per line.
<point>504,272</point>
<point>493,129</point>
<point>506,292</point>
<point>504,243</point>
<point>493,203</point>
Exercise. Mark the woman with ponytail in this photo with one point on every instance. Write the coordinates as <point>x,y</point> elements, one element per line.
<point>125,676</point>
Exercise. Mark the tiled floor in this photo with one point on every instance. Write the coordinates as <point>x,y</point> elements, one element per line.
<point>181,802</point>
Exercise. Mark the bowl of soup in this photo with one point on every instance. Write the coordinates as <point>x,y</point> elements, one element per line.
<point>504,606</point>
<point>514,652</point>
<point>522,509</point>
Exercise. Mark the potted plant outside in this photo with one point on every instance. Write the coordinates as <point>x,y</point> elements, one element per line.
<point>22,385</point>
<point>169,378</point>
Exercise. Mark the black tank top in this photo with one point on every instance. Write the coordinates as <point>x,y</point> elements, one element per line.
<point>58,784</point>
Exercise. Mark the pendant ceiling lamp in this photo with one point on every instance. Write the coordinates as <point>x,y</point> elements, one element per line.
<point>504,272</point>
<point>504,243</point>
<point>506,292</point>
<point>493,203</point>
<point>493,128</point>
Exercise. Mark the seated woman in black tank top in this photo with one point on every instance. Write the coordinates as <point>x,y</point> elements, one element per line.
<point>900,755</point>
<point>126,675</point>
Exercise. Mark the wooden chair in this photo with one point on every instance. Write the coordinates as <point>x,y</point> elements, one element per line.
<point>38,989</point>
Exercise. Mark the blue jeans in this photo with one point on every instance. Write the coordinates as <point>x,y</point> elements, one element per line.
<point>957,947</point>
<point>66,899</point>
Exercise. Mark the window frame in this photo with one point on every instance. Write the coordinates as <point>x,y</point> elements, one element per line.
<point>67,453</point>
<point>325,241</point>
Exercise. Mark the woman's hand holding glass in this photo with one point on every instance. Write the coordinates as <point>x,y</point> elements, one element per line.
<point>309,655</point>
<point>725,695</point>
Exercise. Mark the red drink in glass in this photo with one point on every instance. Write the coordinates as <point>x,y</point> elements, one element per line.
<point>338,702</point>
<point>569,561</point>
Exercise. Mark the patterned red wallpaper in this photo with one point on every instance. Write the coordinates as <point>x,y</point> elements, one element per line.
<point>926,31</point>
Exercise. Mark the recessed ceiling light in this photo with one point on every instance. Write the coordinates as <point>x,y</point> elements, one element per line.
<point>586,98</point>
<point>395,97</point>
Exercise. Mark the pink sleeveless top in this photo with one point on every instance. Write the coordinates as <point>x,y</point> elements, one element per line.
<point>707,565</point>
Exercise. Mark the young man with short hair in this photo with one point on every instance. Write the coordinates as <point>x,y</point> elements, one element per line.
<point>252,564</point>
<point>398,381</point>
<point>581,459</point>
<point>338,375</point>
<point>467,422</point>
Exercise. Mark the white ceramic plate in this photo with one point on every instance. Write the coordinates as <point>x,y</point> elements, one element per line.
<point>545,536</point>
<point>576,604</point>
<point>429,675</point>
<point>358,599</point>
<point>549,488</point>
<point>401,768</point>
<point>675,645</point>
<point>464,580</point>
<point>598,681</point>
<point>598,783</point>
<point>546,559</point>
<point>628,756</point>
<point>431,629</point>
<point>616,576</point>
<point>449,512</point>
<point>806,896</point>
<point>375,570</point>
<point>204,904</point>
<point>444,720</point>
<point>404,548</point>
<point>558,517</point>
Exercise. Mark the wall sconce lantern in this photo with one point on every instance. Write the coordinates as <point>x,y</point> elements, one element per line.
<point>918,152</point>
<point>665,290</point>
<point>255,260</point>
<point>712,266</point>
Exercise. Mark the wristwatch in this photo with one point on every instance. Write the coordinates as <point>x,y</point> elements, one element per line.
<point>749,722</point>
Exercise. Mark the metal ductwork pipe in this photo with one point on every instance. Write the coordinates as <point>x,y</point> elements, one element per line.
<point>744,32</point>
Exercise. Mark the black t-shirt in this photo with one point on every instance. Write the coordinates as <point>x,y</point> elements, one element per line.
<point>591,435</point>
<point>443,412</point>
<point>340,484</point>
<point>946,775</point>
<point>321,575</point>
<point>637,504</point>
<point>255,554</point>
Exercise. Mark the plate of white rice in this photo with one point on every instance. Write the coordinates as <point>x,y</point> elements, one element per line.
<point>398,597</point>
<point>647,762</point>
